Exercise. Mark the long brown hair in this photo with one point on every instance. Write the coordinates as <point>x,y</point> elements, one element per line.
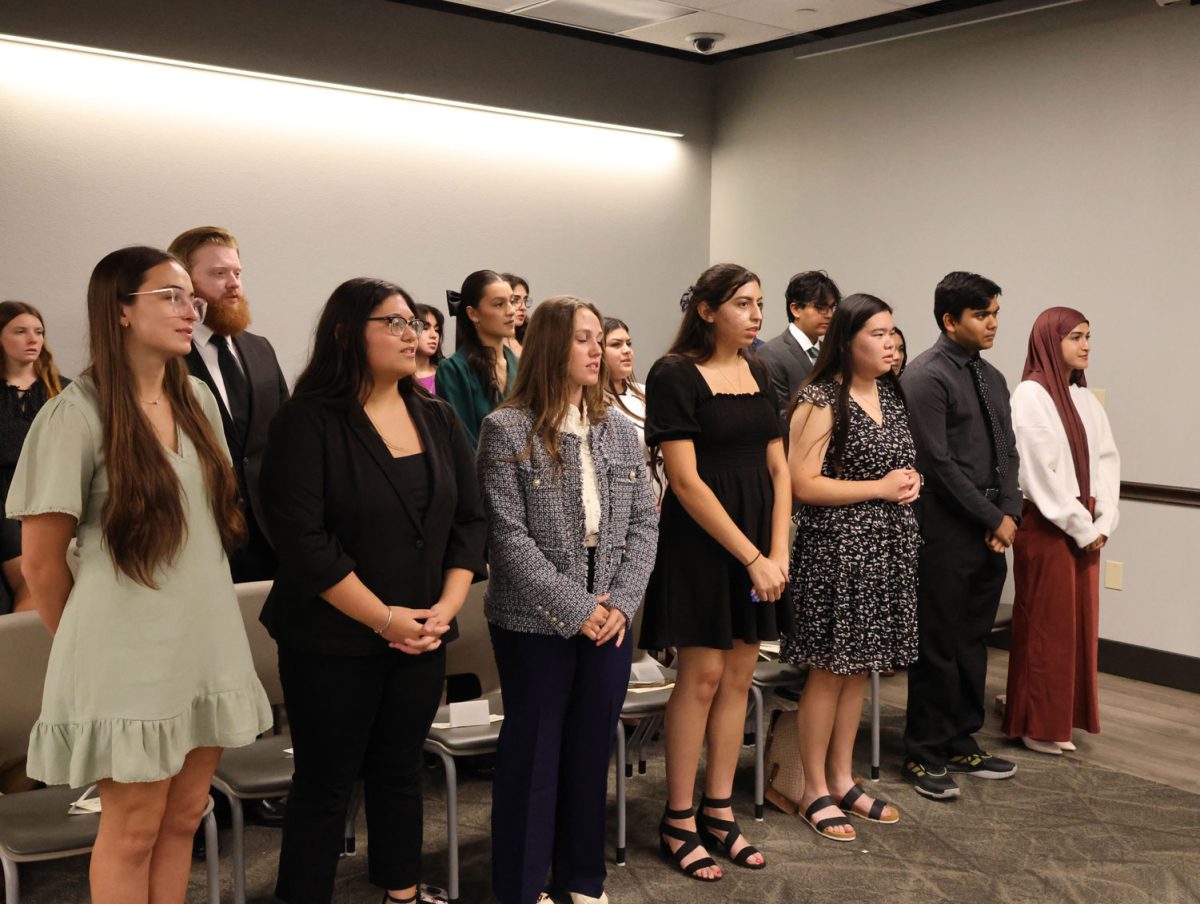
<point>697,339</point>
<point>44,367</point>
<point>337,368</point>
<point>541,385</point>
<point>143,520</point>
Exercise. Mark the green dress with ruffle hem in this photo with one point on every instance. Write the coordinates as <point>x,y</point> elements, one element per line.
<point>137,676</point>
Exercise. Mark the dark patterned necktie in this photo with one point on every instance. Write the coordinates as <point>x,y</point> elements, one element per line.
<point>813,351</point>
<point>236,388</point>
<point>999,442</point>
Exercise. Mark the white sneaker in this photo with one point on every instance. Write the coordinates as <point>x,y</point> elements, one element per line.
<point>1037,746</point>
<point>1067,746</point>
<point>577,898</point>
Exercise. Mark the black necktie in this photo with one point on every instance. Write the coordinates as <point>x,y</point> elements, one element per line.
<point>237,390</point>
<point>999,442</point>
<point>813,351</point>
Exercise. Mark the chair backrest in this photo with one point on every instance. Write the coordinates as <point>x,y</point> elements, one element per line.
<point>24,653</point>
<point>251,597</point>
<point>471,653</point>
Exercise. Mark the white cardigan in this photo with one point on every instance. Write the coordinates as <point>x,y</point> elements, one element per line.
<point>1047,472</point>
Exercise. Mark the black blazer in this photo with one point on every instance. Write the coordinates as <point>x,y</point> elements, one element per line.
<point>268,390</point>
<point>333,507</point>
<point>789,366</point>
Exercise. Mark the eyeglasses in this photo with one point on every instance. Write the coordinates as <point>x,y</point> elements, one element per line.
<point>396,324</point>
<point>824,309</point>
<point>520,300</point>
<point>181,301</point>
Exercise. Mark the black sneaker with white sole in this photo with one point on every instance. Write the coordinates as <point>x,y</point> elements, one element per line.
<point>981,765</point>
<point>932,782</point>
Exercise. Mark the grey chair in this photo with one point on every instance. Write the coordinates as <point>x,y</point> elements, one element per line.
<point>471,653</point>
<point>35,825</point>
<point>260,770</point>
<point>645,709</point>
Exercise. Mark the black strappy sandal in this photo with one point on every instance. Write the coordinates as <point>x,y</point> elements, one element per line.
<point>691,841</point>
<point>822,827</point>
<point>733,832</point>
<point>876,811</point>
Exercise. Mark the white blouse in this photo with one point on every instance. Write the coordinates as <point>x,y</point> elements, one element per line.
<point>1047,473</point>
<point>637,407</point>
<point>574,422</point>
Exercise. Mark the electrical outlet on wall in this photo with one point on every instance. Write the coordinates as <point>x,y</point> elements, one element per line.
<point>1114,575</point>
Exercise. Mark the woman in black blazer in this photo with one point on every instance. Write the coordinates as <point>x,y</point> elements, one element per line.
<point>372,501</point>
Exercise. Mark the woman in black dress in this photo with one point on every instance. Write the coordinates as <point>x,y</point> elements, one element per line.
<point>722,554</point>
<point>30,379</point>
<point>853,580</point>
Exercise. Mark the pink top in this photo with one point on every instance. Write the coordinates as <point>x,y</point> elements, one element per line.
<point>428,383</point>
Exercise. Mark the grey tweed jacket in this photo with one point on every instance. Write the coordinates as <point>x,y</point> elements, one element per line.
<point>538,563</point>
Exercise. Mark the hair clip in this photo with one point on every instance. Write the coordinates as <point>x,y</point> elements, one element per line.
<point>453,302</point>
<point>686,298</point>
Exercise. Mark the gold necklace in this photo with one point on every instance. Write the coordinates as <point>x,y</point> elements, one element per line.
<point>392,446</point>
<point>875,407</point>
<point>736,387</point>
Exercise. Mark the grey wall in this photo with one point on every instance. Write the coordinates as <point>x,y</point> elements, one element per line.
<point>320,186</point>
<point>1055,152</point>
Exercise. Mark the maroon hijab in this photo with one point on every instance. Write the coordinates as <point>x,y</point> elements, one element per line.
<point>1044,364</point>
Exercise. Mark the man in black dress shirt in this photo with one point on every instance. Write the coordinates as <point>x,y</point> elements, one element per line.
<point>242,371</point>
<point>969,511</point>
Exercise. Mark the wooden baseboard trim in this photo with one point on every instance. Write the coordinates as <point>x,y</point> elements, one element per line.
<point>1156,492</point>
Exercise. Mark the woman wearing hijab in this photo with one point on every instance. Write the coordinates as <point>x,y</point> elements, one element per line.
<point>1070,475</point>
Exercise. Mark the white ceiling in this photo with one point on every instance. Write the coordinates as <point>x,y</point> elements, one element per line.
<point>668,23</point>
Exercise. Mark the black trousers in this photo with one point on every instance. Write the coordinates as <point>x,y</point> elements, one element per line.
<point>958,592</point>
<point>562,699</point>
<point>255,561</point>
<point>355,717</point>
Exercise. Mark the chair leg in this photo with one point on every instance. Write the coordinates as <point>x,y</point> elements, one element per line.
<point>12,885</point>
<point>451,823</point>
<point>620,770</point>
<point>211,857</point>
<point>760,741</point>
<point>356,800</point>
<point>874,725</point>
<point>239,850</point>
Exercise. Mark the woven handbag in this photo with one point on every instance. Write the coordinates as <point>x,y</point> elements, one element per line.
<point>785,774</point>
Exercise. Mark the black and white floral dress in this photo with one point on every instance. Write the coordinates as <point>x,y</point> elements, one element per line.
<point>853,576</point>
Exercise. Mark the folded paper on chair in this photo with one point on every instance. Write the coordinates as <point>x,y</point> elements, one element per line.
<point>86,804</point>
<point>646,673</point>
<point>469,712</point>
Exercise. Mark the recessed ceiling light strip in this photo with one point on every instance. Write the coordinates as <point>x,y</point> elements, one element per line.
<point>334,86</point>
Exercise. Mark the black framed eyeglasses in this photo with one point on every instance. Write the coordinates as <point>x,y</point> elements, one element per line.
<point>396,324</point>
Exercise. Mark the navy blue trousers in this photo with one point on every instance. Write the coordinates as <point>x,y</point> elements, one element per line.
<point>562,699</point>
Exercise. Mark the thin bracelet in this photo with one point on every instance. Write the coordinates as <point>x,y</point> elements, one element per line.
<point>755,559</point>
<point>387,624</point>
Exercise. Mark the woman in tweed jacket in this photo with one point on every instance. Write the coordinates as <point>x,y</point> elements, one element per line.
<point>572,532</point>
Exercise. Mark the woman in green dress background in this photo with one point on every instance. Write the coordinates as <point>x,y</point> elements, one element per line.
<point>478,376</point>
<point>150,673</point>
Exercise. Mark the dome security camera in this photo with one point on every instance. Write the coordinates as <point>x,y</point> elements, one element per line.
<point>705,42</point>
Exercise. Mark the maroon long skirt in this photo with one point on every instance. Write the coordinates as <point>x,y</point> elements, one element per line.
<point>1056,613</point>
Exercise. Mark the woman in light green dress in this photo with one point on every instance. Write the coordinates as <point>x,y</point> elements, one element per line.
<point>150,673</point>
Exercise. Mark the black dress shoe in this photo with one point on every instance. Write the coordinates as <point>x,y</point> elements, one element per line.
<point>270,812</point>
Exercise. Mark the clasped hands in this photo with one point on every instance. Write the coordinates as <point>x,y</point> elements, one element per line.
<point>416,631</point>
<point>1002,537</point>
<point>903,485</point>
<point>605,623</point>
